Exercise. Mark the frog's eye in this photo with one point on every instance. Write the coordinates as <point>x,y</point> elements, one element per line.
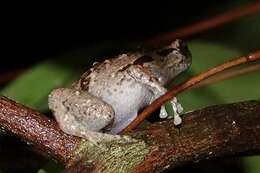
<point>184,49</point>
<point>165,52</point>
<point>143,59</point>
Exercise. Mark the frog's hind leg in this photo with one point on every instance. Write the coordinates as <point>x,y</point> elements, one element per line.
<point>79,113</point>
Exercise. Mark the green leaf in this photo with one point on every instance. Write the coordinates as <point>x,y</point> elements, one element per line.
<point>221,92</point>
<point>252,164</point>
<point>33,87</point>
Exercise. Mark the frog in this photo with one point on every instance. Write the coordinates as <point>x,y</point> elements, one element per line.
<point>108,96</point>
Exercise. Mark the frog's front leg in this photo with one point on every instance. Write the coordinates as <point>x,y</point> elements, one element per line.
<point>140,74</point>
<point>80,114</point>
<point>177,109</point>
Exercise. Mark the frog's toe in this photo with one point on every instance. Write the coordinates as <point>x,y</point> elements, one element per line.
<point>163,113</point>
<point>177,108</point>
<point>177,120</point>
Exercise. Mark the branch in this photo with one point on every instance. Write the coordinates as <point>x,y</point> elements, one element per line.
<point>207,24</point>
<point>210,132</point>
<point>229,74</point>
<point>188,84</point>
<point>221,130</point>
<point>37,130</point>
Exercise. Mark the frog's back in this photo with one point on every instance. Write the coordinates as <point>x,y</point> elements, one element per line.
<point>110,81</point>
<point>110,68</point>
<point>105,74</point>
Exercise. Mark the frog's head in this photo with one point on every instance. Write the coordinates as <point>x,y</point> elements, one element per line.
<point>176,55</point>
<point>171,61</point>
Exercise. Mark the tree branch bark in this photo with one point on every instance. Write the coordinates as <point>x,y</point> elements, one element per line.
<point>37,130</point>
<point>207,133</point>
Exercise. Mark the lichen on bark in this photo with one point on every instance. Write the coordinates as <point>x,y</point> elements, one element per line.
<point>117,155</point>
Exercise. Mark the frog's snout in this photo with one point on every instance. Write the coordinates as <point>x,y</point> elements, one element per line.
<point>183,47</point>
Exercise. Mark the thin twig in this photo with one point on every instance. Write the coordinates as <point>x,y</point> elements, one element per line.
<point>207,24</point>
<point>188,84</point>
<point>229,74</point>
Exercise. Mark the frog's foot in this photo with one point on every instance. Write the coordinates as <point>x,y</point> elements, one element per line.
<point>98,138</point>
<point>177,109</point>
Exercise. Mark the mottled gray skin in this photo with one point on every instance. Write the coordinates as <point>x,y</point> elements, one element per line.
<point>108,96</point>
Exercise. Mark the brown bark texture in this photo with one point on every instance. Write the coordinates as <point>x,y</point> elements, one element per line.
<point>36,129</point>
<point>215,131</point>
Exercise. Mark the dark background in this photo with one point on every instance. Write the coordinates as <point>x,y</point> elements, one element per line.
<point>33,31</point>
